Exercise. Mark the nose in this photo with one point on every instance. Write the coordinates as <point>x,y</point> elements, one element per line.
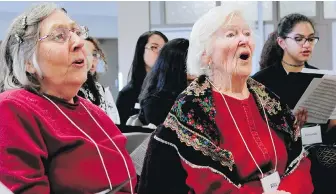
<point>243,40</point>
<point>306,44</point>
<point>77,43</point>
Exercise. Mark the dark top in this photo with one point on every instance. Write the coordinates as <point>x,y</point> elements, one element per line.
<point>289,87</point>
<point>126,101</point>
<point>155,108</point>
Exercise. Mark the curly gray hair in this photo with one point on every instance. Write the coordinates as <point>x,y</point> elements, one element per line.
<point>19,46</point>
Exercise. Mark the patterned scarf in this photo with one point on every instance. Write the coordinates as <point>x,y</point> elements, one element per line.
<point>191,129</point>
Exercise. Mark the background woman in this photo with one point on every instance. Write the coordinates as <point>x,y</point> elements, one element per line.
<point>92,89</point>
<point>284,55</point>
<point>164,83</point>
<point>146,52</point>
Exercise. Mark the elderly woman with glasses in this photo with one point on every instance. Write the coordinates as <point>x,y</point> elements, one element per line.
<point>225,133</point>
<point>52,141</point>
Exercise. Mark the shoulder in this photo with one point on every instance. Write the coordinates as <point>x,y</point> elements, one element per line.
<point>310,66</point>
<point>127,89</point>
<point>19,97</point>
<point>128,92</point>
<point>19,106</point>
<point>262,74</point>
<point>278,113</point>
<point>160,97</point>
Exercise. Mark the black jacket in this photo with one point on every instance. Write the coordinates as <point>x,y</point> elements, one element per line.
<point>155,108</point>
<point>127,98</point>
<point>289,87</point>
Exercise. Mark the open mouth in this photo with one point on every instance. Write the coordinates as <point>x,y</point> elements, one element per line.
<point>244,56</point>
<point>78,62</point>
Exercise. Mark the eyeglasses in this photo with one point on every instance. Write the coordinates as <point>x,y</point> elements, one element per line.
<point>154,48</point>
<point>96,55</point>
<point>62,35</point>
<point>301,40</point>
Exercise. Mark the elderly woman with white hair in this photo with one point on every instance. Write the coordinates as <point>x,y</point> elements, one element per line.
<point>226,133</point>
<point>52,141</point>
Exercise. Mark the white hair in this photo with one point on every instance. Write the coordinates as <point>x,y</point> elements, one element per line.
<point>19,46</point>
<point>201,36</point>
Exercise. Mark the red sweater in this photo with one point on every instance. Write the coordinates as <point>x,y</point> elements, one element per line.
<point>256,135</point>
<point>42,152</point>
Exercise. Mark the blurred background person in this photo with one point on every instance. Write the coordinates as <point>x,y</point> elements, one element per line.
<point>146,52</point>
<point>166,80</point>
<point>92,89</point>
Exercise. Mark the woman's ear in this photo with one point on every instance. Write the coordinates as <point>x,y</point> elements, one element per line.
<point>30,67</point>
<point>281,42</point>
<point>206,60</point>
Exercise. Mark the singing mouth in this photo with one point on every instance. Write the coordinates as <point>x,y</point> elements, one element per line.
<point>244,56</point>
<point>78,62</point>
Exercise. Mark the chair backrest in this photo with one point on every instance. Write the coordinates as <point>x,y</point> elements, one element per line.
<point>134,140</point>
<point>138,155</point>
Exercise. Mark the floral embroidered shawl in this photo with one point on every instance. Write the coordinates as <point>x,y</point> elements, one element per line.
<point>191,129</point>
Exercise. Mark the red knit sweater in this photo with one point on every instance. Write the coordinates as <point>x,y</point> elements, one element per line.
<point>42,152</point>
<point>255,132</point>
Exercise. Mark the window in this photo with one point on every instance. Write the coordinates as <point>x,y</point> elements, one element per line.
<point>307,8</point>
<point>186,12</point>
<point>251,8</point>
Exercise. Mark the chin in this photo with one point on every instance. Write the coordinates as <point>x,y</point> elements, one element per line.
<point>79,79</point>
<point>245,70</point>
<point>305,59</point>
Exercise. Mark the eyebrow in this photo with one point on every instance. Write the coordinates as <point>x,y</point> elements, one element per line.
<point>54,26</point>
<point>312,34</point>
<point>153,43</point>
<point>234,27</point>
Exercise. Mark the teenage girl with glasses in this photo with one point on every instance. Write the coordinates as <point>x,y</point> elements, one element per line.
<point>284,56</point>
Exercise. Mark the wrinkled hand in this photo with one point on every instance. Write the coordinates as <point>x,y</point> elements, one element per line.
<point>278,192</point>
<point>300,118</point>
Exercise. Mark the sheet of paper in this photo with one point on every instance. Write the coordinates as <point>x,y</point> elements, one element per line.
<point>318,71</point>
<point>311,135</point>
<point>4,189</point>
<point>319,99</point>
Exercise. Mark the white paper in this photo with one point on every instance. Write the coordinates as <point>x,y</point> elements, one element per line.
<point>271,182</point>
<point>4,189</point>
<point>311,135</point>
<point>320,100</point>
<point>318,71</point>
<point>137,106</point>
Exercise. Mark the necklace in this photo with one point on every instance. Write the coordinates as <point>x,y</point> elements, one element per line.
<point>292,65</point>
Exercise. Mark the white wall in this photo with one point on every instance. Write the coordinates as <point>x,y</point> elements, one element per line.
<point>133,20</point>
<point>110,78</point>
